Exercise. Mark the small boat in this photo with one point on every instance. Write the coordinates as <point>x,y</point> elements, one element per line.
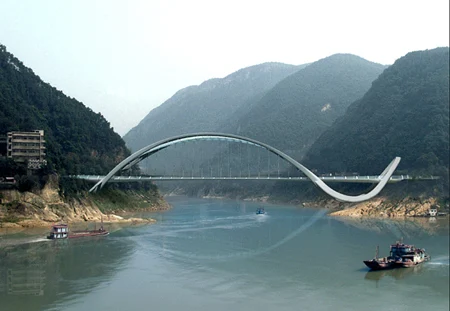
<point>260,211</point>
<point>432,212</point>
<point>400,255</point>
<point>61,231</point>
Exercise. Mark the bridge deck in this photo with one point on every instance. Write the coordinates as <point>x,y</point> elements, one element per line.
<point>346,179</point>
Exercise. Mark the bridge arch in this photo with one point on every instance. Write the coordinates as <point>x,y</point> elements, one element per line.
<point>147,151</point>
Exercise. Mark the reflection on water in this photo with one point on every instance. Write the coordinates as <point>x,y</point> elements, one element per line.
<point>219,255</point>
<point>40,275</point>
<point>400,227</point>
<point>28,281</point>
<point>397,274</point>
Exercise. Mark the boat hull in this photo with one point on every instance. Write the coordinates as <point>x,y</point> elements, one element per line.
<point>76,234</point>
<point>376,264</point>
<point>401,255</point>
<point>81,234</point>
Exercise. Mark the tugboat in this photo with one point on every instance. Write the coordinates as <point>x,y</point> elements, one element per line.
<point>61,231</point>
<point>400,255</point>
<point>260,211</point>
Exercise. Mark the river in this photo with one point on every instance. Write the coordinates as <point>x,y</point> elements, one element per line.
<point>219,255</point>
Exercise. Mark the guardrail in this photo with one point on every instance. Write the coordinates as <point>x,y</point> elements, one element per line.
<point>349,179</point>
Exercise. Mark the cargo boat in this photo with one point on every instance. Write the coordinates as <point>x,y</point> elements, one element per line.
<point>61,231</point>
<point>400,255</point>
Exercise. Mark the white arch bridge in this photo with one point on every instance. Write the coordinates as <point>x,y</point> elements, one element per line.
<point>381,180</point>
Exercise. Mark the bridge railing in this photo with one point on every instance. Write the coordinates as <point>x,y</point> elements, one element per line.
<point>351,178</point>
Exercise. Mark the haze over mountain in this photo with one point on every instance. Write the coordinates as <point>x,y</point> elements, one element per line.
<point>201,108</point>
<point>405,113</point>
<point>354,121</point>
<point>282,105</point>
<point>299,108</point>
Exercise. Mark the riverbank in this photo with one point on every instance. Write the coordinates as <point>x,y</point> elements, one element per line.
<point>45,207</point>
<point>379,207</point>
<point>383,207</point>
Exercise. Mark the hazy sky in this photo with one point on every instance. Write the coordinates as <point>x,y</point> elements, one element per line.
<point>124,58</point>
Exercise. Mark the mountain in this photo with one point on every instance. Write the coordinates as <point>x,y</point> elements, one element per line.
<point>204,107</point>
<point>78,140</point>
<point>293,114</point>
<point>405,113</point>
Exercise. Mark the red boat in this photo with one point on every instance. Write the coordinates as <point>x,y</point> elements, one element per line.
<point>61,231</point>
<point>80,234</point>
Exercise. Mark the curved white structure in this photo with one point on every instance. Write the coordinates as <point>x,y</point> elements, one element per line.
<point>158,146</point>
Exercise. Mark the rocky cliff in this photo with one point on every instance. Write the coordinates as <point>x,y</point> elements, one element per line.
<point>41,208</point>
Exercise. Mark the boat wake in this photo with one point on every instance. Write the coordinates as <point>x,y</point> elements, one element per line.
<point>227,219</point>
<point>168,232</point>
<point>246,253</point>
<point>439,261</point>
<point>39,240</point>
<point>225,223</point>
<point>21,241</point>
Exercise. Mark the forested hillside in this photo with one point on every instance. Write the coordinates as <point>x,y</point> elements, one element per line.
<point>299,108</point>
<point>405,113</point>
<point>206,106</point>
<point>78,140</point>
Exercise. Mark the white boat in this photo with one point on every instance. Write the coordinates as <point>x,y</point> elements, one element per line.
<point>260,211</point>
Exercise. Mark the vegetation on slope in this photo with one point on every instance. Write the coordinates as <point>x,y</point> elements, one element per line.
<point>300,107</point>
<point>202,108</point>
<point>78,140</point>
<point>405,113</point>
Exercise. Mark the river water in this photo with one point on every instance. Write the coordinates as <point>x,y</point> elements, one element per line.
<point>219,255</point>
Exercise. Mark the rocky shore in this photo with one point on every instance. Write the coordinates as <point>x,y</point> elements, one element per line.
<point>40,209</point>
<point>380,207</point>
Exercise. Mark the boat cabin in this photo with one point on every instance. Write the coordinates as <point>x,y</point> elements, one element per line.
<point>60,231</point>
<point>400,249</point>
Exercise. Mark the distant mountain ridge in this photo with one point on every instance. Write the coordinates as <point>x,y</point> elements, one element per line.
<point>204,107</point>
<point>405,113</point>
<point>284,105</point>
<point>299,108</point>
